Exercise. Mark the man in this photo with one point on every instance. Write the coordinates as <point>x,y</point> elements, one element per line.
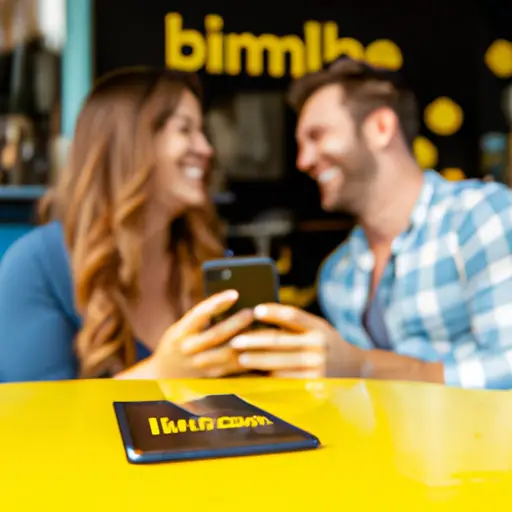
<point>422,288</point>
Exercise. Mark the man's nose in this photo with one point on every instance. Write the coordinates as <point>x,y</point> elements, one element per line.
<point>306,159</point>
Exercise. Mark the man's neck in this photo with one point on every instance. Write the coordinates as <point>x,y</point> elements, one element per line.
<point>389,212</point>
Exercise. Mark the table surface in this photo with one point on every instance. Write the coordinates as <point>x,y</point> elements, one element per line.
<point>386,446</point>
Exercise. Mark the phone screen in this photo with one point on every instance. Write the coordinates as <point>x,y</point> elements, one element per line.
<point>256,281</point>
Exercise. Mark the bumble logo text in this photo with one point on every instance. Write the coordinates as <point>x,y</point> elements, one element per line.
<point>163,426</point>
<point>221,53</point>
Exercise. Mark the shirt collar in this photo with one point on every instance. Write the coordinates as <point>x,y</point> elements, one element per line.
<point>359,247</point>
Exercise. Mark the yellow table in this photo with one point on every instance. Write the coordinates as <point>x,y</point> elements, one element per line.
<point>387,446</point>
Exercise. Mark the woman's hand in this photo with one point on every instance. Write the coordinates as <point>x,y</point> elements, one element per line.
<point>188,350</point>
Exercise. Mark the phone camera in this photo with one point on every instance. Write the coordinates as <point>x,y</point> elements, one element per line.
<point>225,274</point>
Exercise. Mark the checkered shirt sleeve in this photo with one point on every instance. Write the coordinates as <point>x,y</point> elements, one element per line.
<point>485,264</point>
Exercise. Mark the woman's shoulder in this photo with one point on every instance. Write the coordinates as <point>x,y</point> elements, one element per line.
<point>40,259</point>
<point>38,246</point>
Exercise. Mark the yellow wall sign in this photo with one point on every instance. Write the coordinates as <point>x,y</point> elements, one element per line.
<point>164,426</point>
<point>221,53</point>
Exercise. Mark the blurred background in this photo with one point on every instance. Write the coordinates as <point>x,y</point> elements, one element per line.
<point>456,57</point>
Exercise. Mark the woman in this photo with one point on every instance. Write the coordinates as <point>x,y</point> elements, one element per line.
<point>119,257</point>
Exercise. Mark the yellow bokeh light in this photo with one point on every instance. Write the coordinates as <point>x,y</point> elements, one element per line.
<point>453,174</point>
<point>443,116</point>
<point>499,58</point>
<point>425,152</point>
<point>384,53</point>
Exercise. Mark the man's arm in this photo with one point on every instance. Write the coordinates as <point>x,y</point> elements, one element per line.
<point>309,347</point>
<point>380,364</point>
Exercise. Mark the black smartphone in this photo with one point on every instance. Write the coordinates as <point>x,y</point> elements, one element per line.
<point>255,278</point>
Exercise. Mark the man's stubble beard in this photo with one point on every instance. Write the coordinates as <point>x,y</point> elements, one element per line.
<point>359,173</point>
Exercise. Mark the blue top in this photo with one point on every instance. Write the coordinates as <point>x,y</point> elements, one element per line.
<point>446,293</point>
<point>38,318</point>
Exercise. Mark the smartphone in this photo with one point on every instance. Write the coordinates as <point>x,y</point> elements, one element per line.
<point>255,278</point>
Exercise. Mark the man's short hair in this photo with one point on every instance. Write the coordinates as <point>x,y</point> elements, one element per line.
<point>366,89</point>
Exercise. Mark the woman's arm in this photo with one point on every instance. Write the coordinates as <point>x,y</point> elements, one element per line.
<point>143,370</point>
<point>36,335</point>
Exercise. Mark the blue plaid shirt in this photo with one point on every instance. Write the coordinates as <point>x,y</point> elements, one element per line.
<point>446,293</point>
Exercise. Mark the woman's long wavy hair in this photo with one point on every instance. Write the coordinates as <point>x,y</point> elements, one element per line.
<point>100,200</point>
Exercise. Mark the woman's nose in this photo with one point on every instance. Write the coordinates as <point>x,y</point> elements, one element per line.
<point>203,147</point>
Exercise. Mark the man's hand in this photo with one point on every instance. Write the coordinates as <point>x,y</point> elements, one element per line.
<point>302,346</point>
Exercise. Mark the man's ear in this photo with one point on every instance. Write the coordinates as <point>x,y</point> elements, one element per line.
<point>379,128</point>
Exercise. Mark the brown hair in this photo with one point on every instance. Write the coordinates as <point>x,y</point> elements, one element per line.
<point>100,200</point>
<point>366,89</point>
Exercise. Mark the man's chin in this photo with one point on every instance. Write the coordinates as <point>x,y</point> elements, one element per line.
<point>330,197</point>
<point>335,205</point>
<point>329,204</point>
<point>326,207</point>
